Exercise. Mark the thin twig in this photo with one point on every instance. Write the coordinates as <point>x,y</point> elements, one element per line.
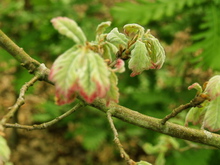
<point>20,100</point>
<point>44,125</point>
<point>198,100</point>
<point>123,153</point>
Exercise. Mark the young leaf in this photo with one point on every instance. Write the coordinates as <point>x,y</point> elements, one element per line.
<point>212,116</point>
<point>195,115</point>
<point>65,73</point>
<point>155,49</point>
<point>143,163</point>
<point>79,70</point>
<point>117,38</point>
<point>113,94</point>
<point>69,28</point>
<point>94,77</point>
<point>132,30</point>
<point>102,27</point>
<point>140,59</point>
<point>213,87</point>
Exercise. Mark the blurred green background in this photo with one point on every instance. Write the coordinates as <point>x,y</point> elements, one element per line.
<point>189,30</point>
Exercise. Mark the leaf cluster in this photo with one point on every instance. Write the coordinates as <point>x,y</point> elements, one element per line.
<point>89,68</point>
<point>176,15</point>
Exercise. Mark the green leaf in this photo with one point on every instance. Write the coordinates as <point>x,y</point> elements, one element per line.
<point>94,78</point>
<point>140,59</point>
<point>4,150</point>
<point>132,30</point>
<point>65,73</point>
<point>80,71</point>
<point>69,28</point>
<point>195,115</point>
<point>212,116</point>
<point>143,163</point>
<point>155,50</point>
<point>213,87</point>
<point>116,38</point>
<point>113,94</point>
<point>102,27</point>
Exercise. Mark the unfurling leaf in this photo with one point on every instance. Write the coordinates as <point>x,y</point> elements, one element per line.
<point>143,163</point>
<point>155,49</point>
<point>102,27</point>
<point>140,59</point>
<point>109,51</point>
<point>69,28</point>
<point>117,38</point>
<point>113,94</point>
<point>195,115</point>
<point>80,71</point>
<point>213,87</point>
<point>212,116</point>
<point>132,30</point>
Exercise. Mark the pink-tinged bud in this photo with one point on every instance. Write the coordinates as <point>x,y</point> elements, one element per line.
<point>213,87</point>
<point>196,86</point>
<point>119,66</point>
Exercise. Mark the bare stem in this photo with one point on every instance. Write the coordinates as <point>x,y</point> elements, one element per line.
<point>46,124</point>
<point>193,103</point>
<point>20,100</point>
<point>21,56</point>
<point>123,153</point>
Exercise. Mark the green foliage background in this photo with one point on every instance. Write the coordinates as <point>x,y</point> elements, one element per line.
<point>190,33</point>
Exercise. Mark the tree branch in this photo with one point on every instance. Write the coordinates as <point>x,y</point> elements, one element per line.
<point>144,121</point>
<point>133,117</point>
<point>44,125</point>
<point>21,56</point>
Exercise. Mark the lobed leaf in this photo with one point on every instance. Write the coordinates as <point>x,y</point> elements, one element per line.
<point>69,28</point>
<point>94,78</point>
<point>79,71</point>
<point>140,59</point>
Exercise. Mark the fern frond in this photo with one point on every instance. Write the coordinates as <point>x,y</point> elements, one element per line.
<point>146,11</point>
<point>209,39</point>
